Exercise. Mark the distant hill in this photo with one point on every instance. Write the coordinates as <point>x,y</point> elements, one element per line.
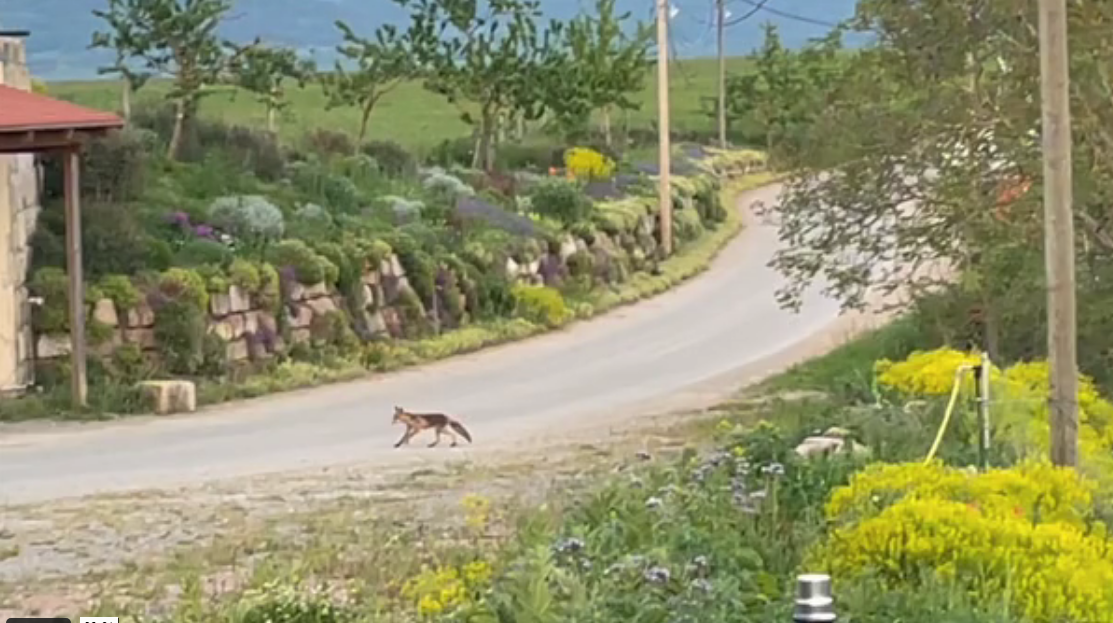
<point>61,29</point>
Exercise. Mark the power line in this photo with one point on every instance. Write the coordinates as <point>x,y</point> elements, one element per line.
<point>753,10</point>
<point>760,5</point>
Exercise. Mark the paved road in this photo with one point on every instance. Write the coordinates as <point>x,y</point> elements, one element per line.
<point>636,357</point>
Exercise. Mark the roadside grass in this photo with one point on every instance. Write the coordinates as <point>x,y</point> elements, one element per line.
<point>411,115</point>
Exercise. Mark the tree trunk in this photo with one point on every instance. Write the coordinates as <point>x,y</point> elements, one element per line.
<point>991,325</point>
<point>364,118</point>
<point>125,101</point>
<point>486,152</point>
<point>181,112</point>
<point>272,119</point>
<point>607,135</point>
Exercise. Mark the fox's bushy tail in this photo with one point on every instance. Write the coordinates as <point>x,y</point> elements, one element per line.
<point>458,427</point>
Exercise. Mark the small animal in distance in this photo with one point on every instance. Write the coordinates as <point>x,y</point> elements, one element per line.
<point>439,422</point>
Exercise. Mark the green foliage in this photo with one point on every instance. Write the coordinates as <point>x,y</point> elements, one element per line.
<point>263,71</point>
<point>392,158</point>
<point>499,62</point>
<point>561,200</point>
<point>251,219</point>
<point>168,37</point>
<point>375,67</point>
<point>120,290</point>
<point>201,251</point>
<point>181,311</point>
<point>275,602</point>
<point>53,315</point>
<point>541,304</point>
<point>245,275</point>
<point>308,266</point>
<point>603,63</point>
<point>786,90</point>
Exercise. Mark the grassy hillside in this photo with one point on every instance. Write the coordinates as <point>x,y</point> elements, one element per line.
<point>410,115</point>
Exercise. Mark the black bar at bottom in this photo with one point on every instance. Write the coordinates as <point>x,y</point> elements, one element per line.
<point>39,620</point>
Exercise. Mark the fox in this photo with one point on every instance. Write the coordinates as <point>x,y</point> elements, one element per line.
<point>439,422</point>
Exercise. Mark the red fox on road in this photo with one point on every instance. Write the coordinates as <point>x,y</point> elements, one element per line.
<point>439,422</point>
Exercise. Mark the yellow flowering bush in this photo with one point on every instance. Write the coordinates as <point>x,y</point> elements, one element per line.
<point>444,588</point>
<point>477,511</point>
<point>1022,533</point>
<point>1034,490</point>
<point>1018,403</point>
<point>924,373</point>
<point>586,163</point>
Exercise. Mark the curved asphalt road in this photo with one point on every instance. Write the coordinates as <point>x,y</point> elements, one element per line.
<point>718,323</point>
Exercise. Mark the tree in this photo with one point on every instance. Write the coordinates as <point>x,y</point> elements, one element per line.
<point>785,89</point>
<point>264,70</point>
<point>121,39</point>
<point>605,63</point>
<point>176,39</point>
<point>380,66</point>
<point>487,65</point>
<point>898,175</point>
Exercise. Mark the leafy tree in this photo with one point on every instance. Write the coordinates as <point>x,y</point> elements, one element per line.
<point>381,64</point>
<point>121,38</point>
<point>898,177</point>
<point>264,70</point>
<point>486,64</point>
<point>785,90</point>
<point>176,39</point>
<point>603,63</point>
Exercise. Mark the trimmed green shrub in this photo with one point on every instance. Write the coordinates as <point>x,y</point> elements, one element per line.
<point>51,285</point>
<point>250,218</point>
<point>541,305</point>
<point>181,304</point>
<point>393,159</point>
<point>216,282</point>
<point>120,290</point>
<point>560,200</point>
<point>201,251</point>
<point>308,266</point>
<point>581,264</point>
<point>245,275</point>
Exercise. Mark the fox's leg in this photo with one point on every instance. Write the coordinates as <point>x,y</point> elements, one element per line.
<point>438,439</point>
<point>405,437</point>
<point>455,439</point>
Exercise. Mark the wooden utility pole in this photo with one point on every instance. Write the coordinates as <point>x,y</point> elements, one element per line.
<point>71,167</point>
<point>720,25</point>
<point>1059,231</point>
<point>664,188</point>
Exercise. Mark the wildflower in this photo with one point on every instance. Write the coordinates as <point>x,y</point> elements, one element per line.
<point>203,231</point>
<point>178,218</point>
<point>570,545</point>
<point>653,502</point>
<point>773,469</point>
<point>657,575</point>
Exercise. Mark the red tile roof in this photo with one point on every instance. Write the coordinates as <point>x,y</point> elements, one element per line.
<point>23,111</point>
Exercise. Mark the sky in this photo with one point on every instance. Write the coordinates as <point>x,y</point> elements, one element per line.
<point>61,29</point>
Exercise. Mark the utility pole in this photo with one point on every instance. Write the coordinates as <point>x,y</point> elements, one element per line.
<point>720,25</point>
<point>1059,232</point>
<point>664,189</point>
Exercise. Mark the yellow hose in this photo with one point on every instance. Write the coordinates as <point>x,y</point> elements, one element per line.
<point>947,414</point>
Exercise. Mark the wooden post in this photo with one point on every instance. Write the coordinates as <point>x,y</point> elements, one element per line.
<point>75,271</point>
<point>664,188</point>
<point>720,23</point>
<point>1059,231</point>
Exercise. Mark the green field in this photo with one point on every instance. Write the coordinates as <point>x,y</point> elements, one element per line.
<point>410,115</point>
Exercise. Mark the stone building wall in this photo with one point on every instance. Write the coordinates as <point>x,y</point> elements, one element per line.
<point>19,208</point>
